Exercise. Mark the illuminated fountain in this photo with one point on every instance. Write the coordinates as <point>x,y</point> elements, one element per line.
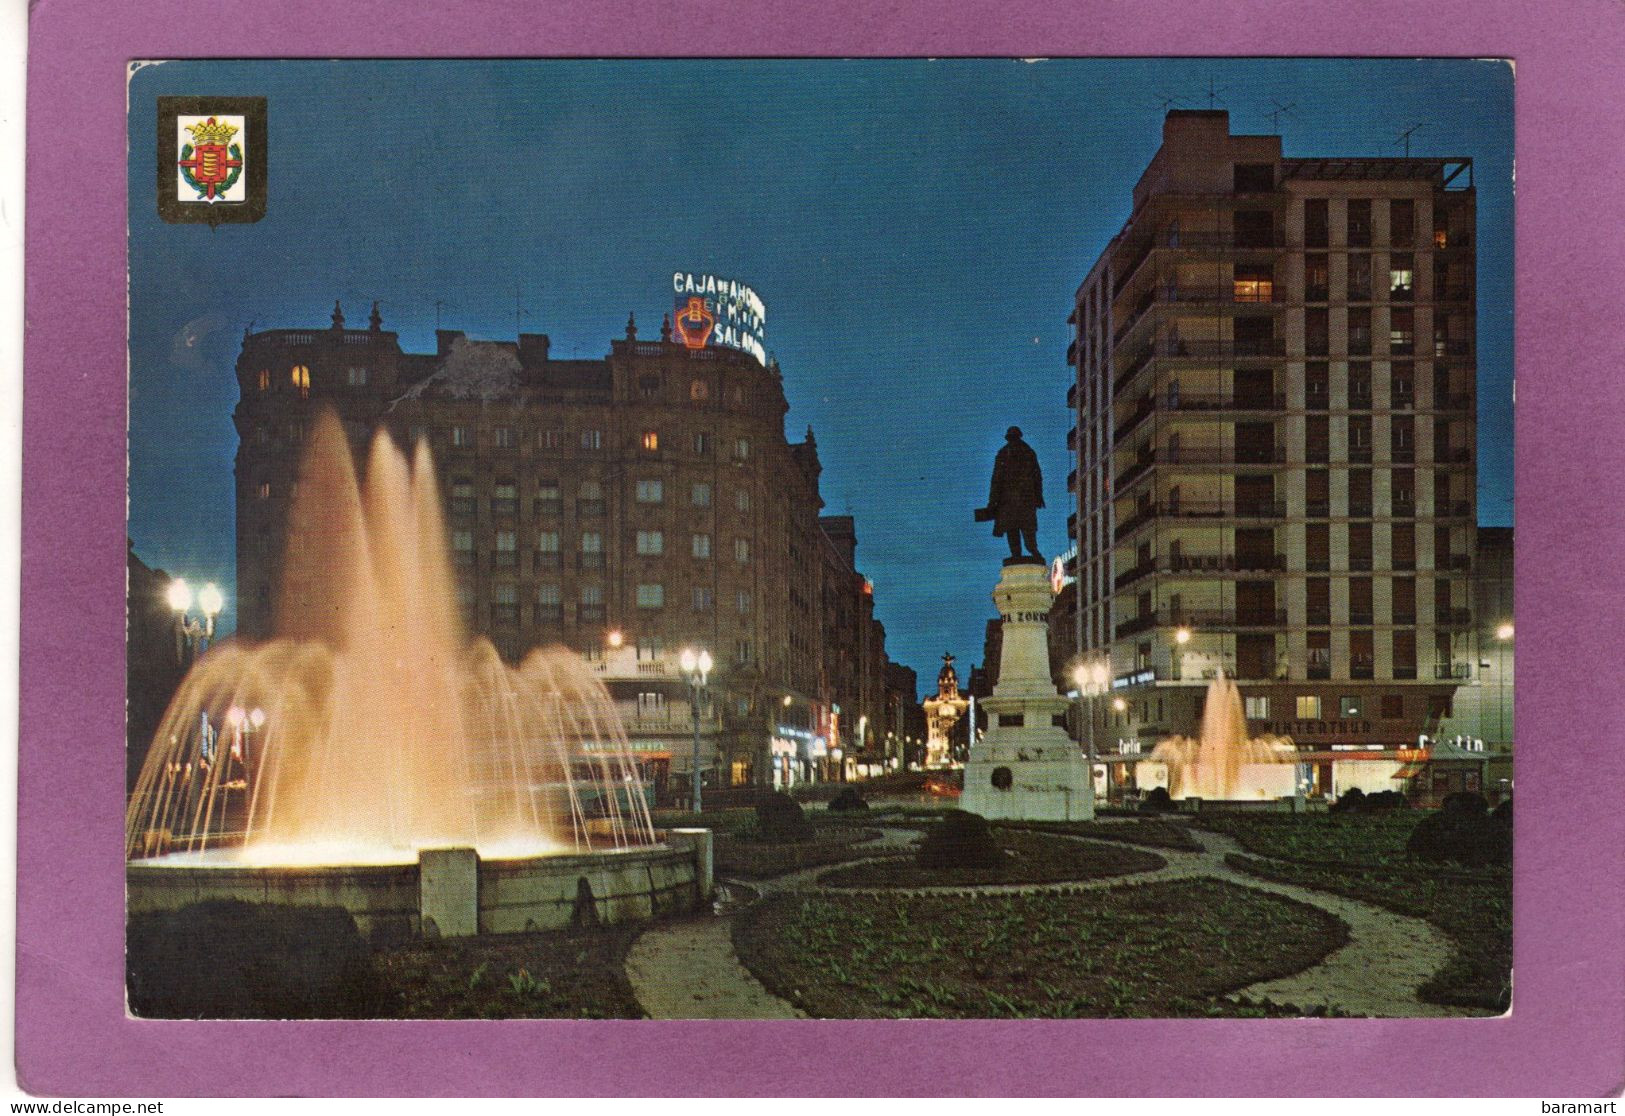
<point>371,731</point>
<point>1223,763</point>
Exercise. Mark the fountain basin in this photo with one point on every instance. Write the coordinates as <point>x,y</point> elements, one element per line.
<point>432,897</point>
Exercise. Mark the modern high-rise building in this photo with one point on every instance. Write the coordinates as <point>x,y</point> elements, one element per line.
<point>1275,424</point>
<point>625,507</point>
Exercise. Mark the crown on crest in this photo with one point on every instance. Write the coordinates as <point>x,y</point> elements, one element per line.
<point>211,131</point>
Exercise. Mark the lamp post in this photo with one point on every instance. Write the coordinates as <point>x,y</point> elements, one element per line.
<point>1091,679</point>
<point>696,664</point>
<point>192,637</point>
<point>1503,636</point>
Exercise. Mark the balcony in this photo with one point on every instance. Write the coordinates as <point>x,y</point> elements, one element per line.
<point>1451,347</point>
<point>1361,618</point>
<point>1452,293</point>
<point>1211,619</point>
<point>1134,472</point>
<point>1128,577</point>
<point>1359,509</point>
<point>1404,619</point>
<point>1224,563</point>
<point>1144,409</point>
<point>1459,672</point>
<point>1185,348</point>
<point>1360,563</point>
<point>545,507</point>
<point>1198,402</point>
<point>1458,455</point>
<point>1138,361</point>
<point>1246,509</point>
<point>1319,616</point>
<point>1072,396</point>
<point>589,508</point>
<point>1453,618</point>
<point>1452,402</point>
<point>1452,509</point>
<point>1460,562</point>
<point>1072,481</point>
<point>1362,667</point>
<point>1317,509</point>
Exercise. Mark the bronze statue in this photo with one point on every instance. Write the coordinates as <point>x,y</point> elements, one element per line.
<point>1016,494</point>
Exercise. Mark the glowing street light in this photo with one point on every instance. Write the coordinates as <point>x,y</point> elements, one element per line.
<point>180,595</point>
<point>191,635</point>
<point>695,664</point>
<point>615,638</point>
<point>1503,636</point>
<point>1182,636</point>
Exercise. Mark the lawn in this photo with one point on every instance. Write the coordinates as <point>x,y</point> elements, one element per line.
<point>1146,951</point>
<point>1474,908</point>
<point>562,974</point>
<point>1156,834</point>
<point>1032,858</point>
<point>1330,839</point>
<point>743,857</point>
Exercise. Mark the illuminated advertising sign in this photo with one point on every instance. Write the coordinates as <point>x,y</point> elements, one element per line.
<point>723,312</point>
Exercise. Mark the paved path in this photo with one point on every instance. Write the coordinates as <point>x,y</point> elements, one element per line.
<point>688,969</point>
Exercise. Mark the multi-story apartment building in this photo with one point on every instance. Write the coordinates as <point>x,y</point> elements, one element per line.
<point>1275,424</point>
<point>626,507</point>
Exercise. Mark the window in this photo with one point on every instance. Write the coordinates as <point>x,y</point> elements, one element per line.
<point>742,499</point>
<point>1402,223</point>
<point>651,543</point>
<point>651,440</point>
<point>647,648</point>
<point>702,444</point>
<point>700,495</point>
<point>460,436</point>
<point>547,549</point>
<point>742,551</point>
<point>1359,330</point>
<point>301,380</point>
<point>742,652</point>
<point>651,704</point>
<point>264,490</point>
<point>1359,277</point>
<point>1401,276</point>
<point>355,377</point>
<point>652,595</point>
<point>592,439</point>
<point>1393,707</point>
<point>1349,707</point>
<point>550,439</point>
<point>1317,332</point>
<point>591,607</point>
<point>1258,708</point>
<point>1402,331</point>
<point>416,433</point>
<point>265,379</point>
<point>1359,222</point>
<point>465,598</point>
<point>504,497</point>
<point>1316,385</point>
<point>590,498</point>
<point>1254,178</point>
<point>1316,278</point>
<point>1308,707</point>
<point>742,449</point>
<point>502,437</point>
<point>505,605</point>
<point>462,546</point>
<point>506,552</point>
<point>648,386</point>
<point>699,390</point>
<point>549,604</point>
<point>651,491</point>
<point>1320,658</point>
<point>1253,284</point>
<point>1315,223</point>
<point>701,546</point>
<point>592,550</point>
<point>549,500</point>
<point>742,603</point>
<point>1362,654</point>
<point>703,599</point>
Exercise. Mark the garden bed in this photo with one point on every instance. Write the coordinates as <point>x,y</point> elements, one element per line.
<point>1148,951</point>
<point>1031,858</point>
<point>1475,912</point>
<point>751,859</point>
<point>1365,840</point>
<point>562,975</point>
<point>1156,834</point>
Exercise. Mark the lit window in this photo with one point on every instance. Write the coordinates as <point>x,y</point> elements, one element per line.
<point>651,492</point>
<point>700,496</point>
<point>742,651</point>
<point>699,390</point>
<point>703,599</point>
<point>591,608</point>
<point>651,704</point>
<point>651,542</point>
<point>550,439</point>
<point>648,648</point>
<point>591,439</point>
<point>459,436</point>
<point>502,437</point>
<point>742,551</point>
<point>702,444</point>
<point>592,542</point>
<point>547,542</point>
<point>301,380</point>
<point>1349,707</point>
<point>507,548</point>
<point>265,379</point>
<point>702,546</point>
<point>651,440</point>
<point>742,449</point>
<point>1308,707</point>
<point>355,377</point>
<point>463,543</point>
<point>265,490</point>
<point>652,596</point>
<point>1258,708</point>
<point>505,497</point>
<point>549,603</point>
<point>742,499</point>
<point>742,603</point>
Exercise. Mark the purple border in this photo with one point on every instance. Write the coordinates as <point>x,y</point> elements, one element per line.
<point>1567,1034</point>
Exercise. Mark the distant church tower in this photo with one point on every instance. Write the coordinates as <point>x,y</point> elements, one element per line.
<point>942,713</point>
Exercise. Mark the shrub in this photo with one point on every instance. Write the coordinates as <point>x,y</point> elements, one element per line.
<point>960,840</point>
<point>227,959</point>
<point>780,818</point>
<point>1384,800</point>
<point>1157,801</point>
<point>1351,801</point>
<point>848,801</point>
<point>1465,802</point>
<point>1456,833</point>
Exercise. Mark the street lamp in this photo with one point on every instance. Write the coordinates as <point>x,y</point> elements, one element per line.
<point>1092,678</point>
<point>615,639</point>
<point>696,664</point>
<point>193,636</point>
<point>1503,636</point>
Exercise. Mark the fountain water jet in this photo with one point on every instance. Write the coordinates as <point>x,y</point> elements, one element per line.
<point>1223,762</point>
<point>385,730</point>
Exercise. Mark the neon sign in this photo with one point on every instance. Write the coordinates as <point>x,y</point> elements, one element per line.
<point>723,312</point>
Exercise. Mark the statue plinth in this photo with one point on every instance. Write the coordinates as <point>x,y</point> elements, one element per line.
<point>1026,767</point>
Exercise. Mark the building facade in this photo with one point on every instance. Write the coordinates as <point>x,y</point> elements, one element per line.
<point>1274,441</point>
<point>626,507</point>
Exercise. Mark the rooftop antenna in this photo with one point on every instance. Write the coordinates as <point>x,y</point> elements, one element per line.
<point>517,310</point>
<point>1279,111</point>
<point>1213,92</point>
<point>1166,101</point>
<point>1405,138</point>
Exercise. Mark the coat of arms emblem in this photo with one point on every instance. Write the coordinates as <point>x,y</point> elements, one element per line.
<point>694,322</point>
<point>212,163</point>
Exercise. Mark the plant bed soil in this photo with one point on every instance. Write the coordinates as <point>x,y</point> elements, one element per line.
<point>1172,949</point>
<point>1032,858</point>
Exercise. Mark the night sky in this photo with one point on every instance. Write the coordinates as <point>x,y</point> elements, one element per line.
<point>916,229</point>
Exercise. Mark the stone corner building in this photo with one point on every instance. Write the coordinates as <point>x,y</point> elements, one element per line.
<point>625,507</point>
<point>1275,429</point>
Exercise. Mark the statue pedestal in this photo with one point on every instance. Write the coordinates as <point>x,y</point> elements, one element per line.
<point>1026,767</point>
